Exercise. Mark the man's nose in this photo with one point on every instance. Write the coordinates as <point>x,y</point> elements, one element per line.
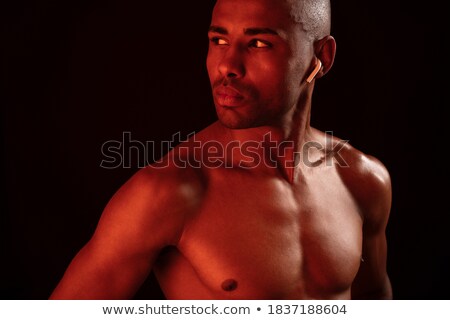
<point>232,64</point>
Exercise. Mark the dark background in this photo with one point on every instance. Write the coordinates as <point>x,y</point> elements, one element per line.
<point>76,74</point>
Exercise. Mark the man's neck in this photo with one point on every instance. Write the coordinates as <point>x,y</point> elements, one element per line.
<point>271,147</point>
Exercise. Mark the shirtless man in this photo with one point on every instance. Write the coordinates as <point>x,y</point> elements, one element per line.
<point>264,219</point>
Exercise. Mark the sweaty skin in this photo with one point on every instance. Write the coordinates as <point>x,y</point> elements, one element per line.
<point>232,216</point>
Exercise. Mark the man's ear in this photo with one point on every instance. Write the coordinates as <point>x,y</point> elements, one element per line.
<point>325,51</point>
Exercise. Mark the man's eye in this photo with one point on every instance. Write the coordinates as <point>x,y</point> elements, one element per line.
<point>219,41</point>
<point>260,44</point>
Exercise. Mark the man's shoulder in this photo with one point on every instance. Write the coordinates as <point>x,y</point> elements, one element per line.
<point>366,177</point>
<point>188,157</point>
<point>181,167</point>
<point>167,183</point>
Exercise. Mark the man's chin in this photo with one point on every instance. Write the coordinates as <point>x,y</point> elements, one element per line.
<point>239,125</point>
<point>238,120</point>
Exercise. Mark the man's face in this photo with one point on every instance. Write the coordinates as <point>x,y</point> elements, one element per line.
<point>256,61</point>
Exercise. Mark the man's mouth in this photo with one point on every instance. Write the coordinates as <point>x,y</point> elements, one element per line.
<point>228,97</point>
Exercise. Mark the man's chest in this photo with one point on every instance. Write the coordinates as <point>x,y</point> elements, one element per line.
<point>269,237</point>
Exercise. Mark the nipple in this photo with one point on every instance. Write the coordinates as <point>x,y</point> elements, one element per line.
<point>229,285</point>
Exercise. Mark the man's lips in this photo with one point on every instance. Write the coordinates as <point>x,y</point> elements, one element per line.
<point>228,96</point>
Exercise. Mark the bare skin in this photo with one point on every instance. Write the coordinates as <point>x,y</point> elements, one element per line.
<point>240,225</point>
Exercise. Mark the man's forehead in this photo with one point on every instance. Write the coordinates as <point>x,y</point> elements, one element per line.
<point>262,13</point>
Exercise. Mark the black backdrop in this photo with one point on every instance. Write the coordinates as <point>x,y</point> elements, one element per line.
<point>76,74</point>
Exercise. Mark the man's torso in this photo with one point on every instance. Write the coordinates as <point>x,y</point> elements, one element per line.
<point>256,236</point>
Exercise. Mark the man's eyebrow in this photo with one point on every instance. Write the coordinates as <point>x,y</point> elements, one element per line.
<point>247,31</point>
<point>219,30</point>
<point>257,31</point>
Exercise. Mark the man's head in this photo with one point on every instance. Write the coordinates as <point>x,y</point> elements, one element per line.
<point>260,54</point>
<point>313,16</point>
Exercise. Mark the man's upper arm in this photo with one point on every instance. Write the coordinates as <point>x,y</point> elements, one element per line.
<point>144,216</point>
<point>374,197</point>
